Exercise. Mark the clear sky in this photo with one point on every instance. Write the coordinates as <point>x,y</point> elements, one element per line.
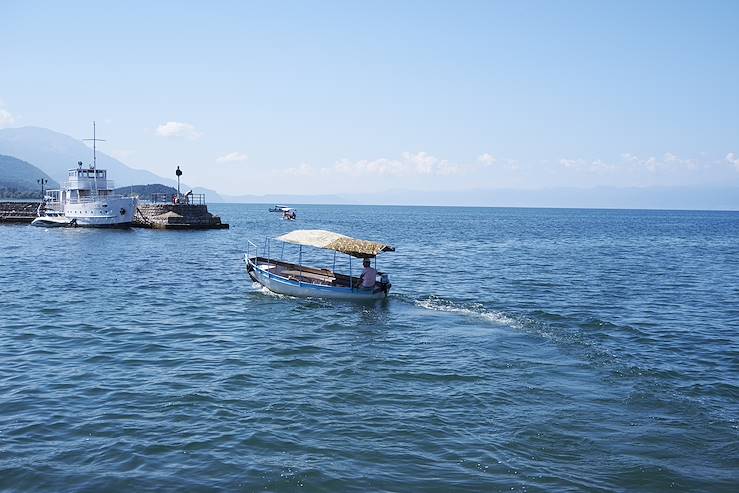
<point>329,97</point>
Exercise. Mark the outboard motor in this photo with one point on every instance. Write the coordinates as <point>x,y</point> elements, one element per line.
<point>385,279</point>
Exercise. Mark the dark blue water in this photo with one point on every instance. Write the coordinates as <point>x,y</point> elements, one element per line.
<point>537,350</point>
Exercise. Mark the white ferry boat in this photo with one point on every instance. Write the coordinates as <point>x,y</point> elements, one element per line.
<point>87,198</point>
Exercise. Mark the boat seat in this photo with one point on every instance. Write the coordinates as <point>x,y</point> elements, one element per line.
<point>308,277</point>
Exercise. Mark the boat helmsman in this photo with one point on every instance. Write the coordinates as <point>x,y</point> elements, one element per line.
<point>368,275</point>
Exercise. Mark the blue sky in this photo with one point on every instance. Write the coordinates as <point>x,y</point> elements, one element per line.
<point>329,97</point>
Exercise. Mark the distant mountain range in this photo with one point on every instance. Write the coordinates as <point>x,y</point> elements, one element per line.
<point>41,152</point>
<point>286,198</point>
<point>18,179</point>
<point>55,153</point>
<point>691,198</point>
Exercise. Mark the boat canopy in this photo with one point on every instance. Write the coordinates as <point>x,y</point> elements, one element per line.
<point>329,240</point>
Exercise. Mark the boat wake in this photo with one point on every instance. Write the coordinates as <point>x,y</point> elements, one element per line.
<point>263,290</point>
<point>474,310</point>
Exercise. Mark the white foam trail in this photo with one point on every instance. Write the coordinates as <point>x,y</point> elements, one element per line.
<point>476,311</point>
<point>258,287</point>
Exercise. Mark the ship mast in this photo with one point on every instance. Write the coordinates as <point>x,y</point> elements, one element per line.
<point>94,147</point>
<point>94,140</point>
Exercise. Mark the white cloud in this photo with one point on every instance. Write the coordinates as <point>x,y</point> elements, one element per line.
<point>409,164</point>
<point>6,118</point>
<point>486,159</point>
<point>445,168</point>
<point>670,158</point>
<point>178,129</point>
<point>595,166</point>
<point>572,163</point>
<point>303,169</point>
<point>513,164</point>
<point>232,157</point>
<point>668,162</point>
<point>733,159</point>
<point>651,164</point>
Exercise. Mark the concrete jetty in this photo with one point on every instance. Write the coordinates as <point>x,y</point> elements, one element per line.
<point>148,215</point>
<point>176,216</point>
<point>18,211</point>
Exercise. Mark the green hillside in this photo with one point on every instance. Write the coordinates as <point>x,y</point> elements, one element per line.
<point>18,179</point>
<point>144,192</point>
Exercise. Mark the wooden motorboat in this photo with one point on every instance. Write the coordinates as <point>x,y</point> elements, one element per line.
<point>294,279</point>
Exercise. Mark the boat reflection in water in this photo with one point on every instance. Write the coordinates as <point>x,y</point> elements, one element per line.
<point>293,279</point>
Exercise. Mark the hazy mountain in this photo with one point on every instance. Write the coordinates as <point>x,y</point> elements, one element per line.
<point>18,179</point>
<point>55,153</point>
<point>697,198</point>
<point>286,199</point>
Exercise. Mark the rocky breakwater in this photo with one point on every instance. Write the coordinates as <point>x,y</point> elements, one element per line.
<point>176,216</point>
<point>18,212</point>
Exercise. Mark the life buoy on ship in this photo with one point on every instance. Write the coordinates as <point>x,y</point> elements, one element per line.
<point>123,211</point>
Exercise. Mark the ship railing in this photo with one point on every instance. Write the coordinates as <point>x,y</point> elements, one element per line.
<point>251,247</point>
<point>183,199</point>
<point>88,200</point>
<point>89,184</point>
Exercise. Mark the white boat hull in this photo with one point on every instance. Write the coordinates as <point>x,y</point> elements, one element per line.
<point>115,212</point>
<point>53,222</point>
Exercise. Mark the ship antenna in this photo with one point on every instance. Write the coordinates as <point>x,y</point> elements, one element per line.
<point>94,140</point>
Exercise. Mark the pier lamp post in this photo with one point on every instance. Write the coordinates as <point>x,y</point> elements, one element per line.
<point>178,173</point>
<point>43,182</point>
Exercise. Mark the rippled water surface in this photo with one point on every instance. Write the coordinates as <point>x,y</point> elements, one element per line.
<point>521,349</point>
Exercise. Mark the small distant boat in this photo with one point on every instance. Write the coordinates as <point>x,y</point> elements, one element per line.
<point>53,219</point>
<point>289,214</point>
<point>294,279</point>
<point>278,208</point>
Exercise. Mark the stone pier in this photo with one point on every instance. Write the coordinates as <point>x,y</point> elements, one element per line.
<point>176,216</point>
<point>160,216</point>
<point>18,212</point>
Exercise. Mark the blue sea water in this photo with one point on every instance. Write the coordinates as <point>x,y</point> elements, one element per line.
<point>520,350</point>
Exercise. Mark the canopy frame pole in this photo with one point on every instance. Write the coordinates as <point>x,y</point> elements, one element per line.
<point>334,268</point>
<point>282,255</point>
<point>351,284</point>
<point>300,263</point>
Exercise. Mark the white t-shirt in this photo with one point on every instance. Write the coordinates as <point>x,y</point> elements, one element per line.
<point>369,276</point>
